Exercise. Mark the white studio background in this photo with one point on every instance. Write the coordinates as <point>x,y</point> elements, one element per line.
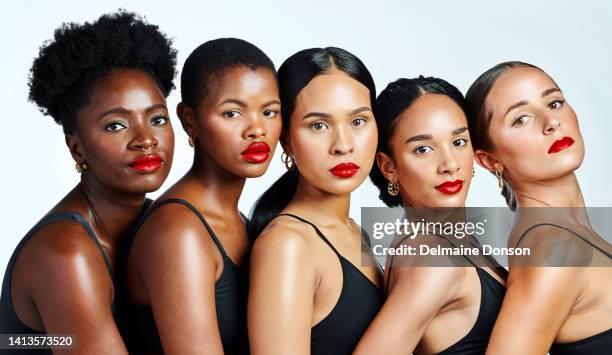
<point>454,40</point>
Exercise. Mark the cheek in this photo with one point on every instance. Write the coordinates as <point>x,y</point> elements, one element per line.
<point>309,149</point>
<point>105,149</point>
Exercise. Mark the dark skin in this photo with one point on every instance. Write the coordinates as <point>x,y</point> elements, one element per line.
<point>126,117</point>
<point>241,107</point>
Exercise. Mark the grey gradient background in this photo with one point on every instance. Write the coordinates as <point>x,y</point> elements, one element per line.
<point>454,40</point>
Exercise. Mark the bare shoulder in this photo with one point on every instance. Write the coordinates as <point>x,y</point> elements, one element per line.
<point>283,238</point>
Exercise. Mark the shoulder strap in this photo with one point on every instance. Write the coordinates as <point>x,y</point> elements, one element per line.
<point>77,217</point>
<point>180,201</point>
<point>569,230</point>
<point>316,230</point>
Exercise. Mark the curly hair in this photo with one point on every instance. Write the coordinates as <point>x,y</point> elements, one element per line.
<point>396,98</point>
<point>62,75</point>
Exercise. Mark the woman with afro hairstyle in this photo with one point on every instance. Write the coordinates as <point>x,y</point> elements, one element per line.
<point>187,268</point>
<point>105,83</point>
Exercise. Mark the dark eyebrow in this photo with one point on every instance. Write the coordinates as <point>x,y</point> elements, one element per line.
<point>419,137</point>
<point>316,114</point>
<point>550,91</point>
<point>114,111</point>
<point>156,107</point>
<point>518,104</point>
<point>359,110</point>
<point>233,101</point>
<point>271,102</point>
<point>459,130</point>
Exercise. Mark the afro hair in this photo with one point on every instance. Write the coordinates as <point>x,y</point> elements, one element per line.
<point>62,75</point>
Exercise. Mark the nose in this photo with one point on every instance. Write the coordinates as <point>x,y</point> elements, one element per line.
<point>144,138</point>
<point>551,124</point>
<point>342,141</point>
<point>448,162</point>
<point>256,127</point>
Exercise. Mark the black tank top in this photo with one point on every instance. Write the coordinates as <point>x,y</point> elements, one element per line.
<point>359,302</point>
<point>600,343</point>
<point>9,322</point>
<point>491,297</point>
<point>231,290</point>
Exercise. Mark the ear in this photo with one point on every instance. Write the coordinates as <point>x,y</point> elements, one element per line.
<point>187,117</point>
<point>74,145</point>
<point>387,166</point>
<point>488,161</point>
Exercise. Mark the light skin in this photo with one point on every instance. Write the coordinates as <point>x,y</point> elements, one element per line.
<point>295,278</point>
<point>564,304</point>
<point>431,145</point>
<point>241,107</point>
<point>125,117</point>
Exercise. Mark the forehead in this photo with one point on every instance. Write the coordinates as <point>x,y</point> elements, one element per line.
<point>242,82</point>
<point>431,114</point>
<point>333,92</point>
<point>518,84</point>
<point>129,88</point>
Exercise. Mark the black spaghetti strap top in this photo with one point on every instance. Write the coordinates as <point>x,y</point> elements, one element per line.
<point>600,343</point>
<point>491,297</point>
<point>231,290</point>
<point>9,322</point>
<point>359,302</point>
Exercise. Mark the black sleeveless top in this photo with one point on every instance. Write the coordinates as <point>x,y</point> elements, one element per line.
<point>231,290</point>
<point>9,322</point>
<point>600,343</point>
<point>359,302</point>
<point>491,297</point>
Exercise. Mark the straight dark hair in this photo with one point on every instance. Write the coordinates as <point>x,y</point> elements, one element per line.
<point>479,118</point>
<point>293,75</point>
<point>396,98</point>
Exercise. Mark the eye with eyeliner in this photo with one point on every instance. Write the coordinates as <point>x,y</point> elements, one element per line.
<point>362,121</point>
<point>231,114</point>
<point>270,113</point>
<point>319,126</point>
<point>520,120</point>
<point>422,149</point>
<point>115,126</point>
<point>159,120</point>
<point>462,142</point>
<point>556,104</point>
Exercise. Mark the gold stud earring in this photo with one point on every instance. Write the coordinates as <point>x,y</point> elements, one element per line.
<point>500,180</point>
<point>80,167</point>
<point>392,188</point>
<point>288,161</point>
<point>190,141</point>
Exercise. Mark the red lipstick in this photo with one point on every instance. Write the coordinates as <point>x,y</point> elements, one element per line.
<point>560,144</point>
<point>256,152</point>
<point>146,163</point>
<point>450,187</point>
<point>344,170</point>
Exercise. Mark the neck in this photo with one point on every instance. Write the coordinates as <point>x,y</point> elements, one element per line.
<point>223,188</point>
<point>322,205</point>
<point>561,192</point>
<point>110,212</point>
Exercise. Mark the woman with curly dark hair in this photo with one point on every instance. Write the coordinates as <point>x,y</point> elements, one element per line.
<point>105,83</point>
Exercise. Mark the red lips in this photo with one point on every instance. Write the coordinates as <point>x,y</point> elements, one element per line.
<point>344,170</point>
<point>256,152</point>
<point>146,163</point>
<point>450,187</point>
<point>560,144</point>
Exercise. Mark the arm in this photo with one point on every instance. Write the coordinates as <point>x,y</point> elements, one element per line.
<point>537,302</point>
<point>73,291</point>
<point>177,264</point>
<point>415,297</point>
<point>281,293</point>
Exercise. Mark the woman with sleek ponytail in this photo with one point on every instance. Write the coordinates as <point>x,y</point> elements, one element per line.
<point>308,294</point>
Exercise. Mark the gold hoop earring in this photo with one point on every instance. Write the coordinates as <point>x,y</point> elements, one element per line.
<point>392,188</point>
<point>80,167</point>
<point>500,180</point>
<point>190,141</point>
<point>288,161</point>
